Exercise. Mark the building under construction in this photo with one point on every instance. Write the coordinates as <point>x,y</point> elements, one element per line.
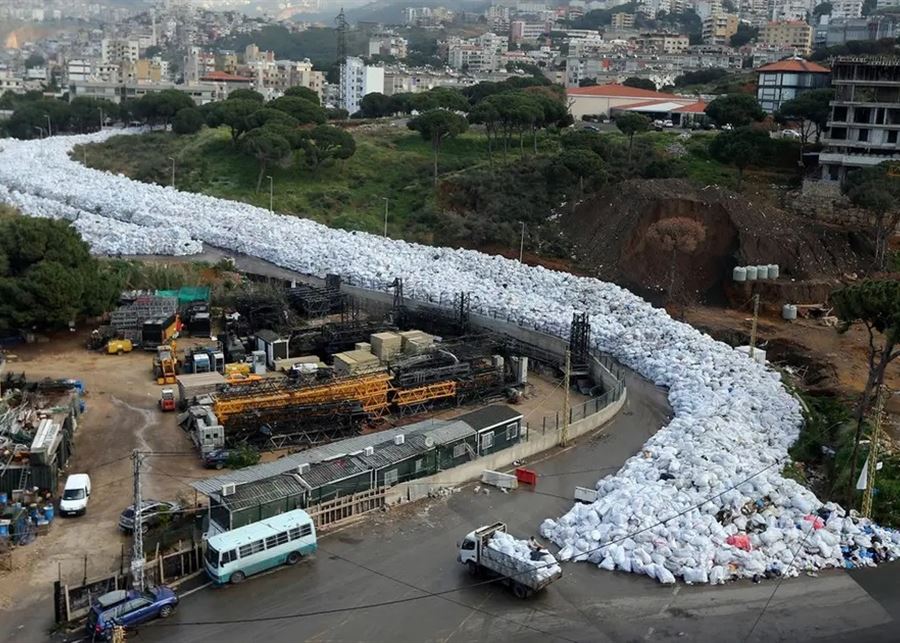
<point>357,369</point>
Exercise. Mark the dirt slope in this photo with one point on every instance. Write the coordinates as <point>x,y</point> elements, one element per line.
<point>609,232</point>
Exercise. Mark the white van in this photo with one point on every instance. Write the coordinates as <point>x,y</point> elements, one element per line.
<point>75,495</point>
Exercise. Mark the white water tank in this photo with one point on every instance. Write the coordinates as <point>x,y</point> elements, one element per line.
<point>789,312</point>
<point>773,271</point>
<point>739,273</point>
<point>762,272</point>
<point>751,273</point>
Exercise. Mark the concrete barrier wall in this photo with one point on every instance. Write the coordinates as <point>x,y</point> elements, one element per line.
<point>535,443</point>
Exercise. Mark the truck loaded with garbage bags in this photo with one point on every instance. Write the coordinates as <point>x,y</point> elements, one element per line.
<point>524,566</point>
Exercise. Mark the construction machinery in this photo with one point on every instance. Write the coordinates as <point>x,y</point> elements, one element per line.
<point>165,364</point>
<point>167,400</point>
<point>119,346</point>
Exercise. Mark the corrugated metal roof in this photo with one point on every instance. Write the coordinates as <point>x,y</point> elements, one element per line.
<point>490,416</point>
<point>388,453</point>
<point>441,431</point>
<point>262,492</point>
<point>325,472</point>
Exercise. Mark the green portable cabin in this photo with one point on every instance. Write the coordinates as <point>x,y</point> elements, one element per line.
<point>338,477</point>
<point>402,458</point>
<point>236,505</point>
<point>497,427</point>
<point>454,442</point>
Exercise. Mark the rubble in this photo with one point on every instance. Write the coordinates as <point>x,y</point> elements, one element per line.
<point>713,474</point>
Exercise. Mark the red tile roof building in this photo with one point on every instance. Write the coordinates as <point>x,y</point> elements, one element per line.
<point>606,99</point>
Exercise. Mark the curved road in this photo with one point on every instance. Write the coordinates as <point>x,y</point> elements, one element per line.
<point>410,552</point>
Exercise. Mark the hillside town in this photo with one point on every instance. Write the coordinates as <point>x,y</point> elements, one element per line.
<point>568,321</point>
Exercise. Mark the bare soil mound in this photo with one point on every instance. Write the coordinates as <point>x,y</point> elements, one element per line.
<point>609,232</point>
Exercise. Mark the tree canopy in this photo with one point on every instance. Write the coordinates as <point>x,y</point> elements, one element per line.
<point>809,107</point>
<point>47,276</point>
<point>640,83</point>
<point>188,120</point>
<point>376,105</point>
<point>435,126</point>
<point>303,92</point>
<point>246,94</point>
<point>741,147</point>
<point>302,110</point>
<point>267,146</point>
<point>735,109</point>
<point>232,113</point>
<point>877,189</point>
<point>324,144</point>
<point>631,123</point>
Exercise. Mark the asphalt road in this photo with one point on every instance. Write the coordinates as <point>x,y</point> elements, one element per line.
<point>407,555</point>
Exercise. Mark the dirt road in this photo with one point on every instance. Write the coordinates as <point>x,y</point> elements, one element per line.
<point>121,415</point>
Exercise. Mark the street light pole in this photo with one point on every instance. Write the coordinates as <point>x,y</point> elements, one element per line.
<point>271,194</point>
<point>49,126</point>
<point>522,242</point>
<point>101,118</point>
<point>172,158</point>
<point>385,199</point>
<point>39,129</point>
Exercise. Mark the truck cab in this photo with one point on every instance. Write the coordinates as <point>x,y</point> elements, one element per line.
<point>469,548</point>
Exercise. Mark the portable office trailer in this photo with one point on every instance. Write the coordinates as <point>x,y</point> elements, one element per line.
<point>275,347</point>
<point>392,463</point>
<point>498,426</point>
<point>255,501</point>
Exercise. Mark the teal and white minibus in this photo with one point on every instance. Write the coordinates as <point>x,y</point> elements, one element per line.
<point>284,539</point>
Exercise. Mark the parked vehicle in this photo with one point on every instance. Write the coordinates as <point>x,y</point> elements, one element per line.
<point>75,495</point>
<point>479,559</point>
<point>216,459</point>
<point>153,512</point>
<point>167,400</point>
<point>790,133</point>
<point>727,127</point>
<point>668,123</point>
<point>284,539</point>
<point>128,608</point>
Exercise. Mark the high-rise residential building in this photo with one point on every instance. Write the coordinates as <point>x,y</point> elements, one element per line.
<point>198,63</point>
<point>784,80</point>
<point>119,51</point>
<point>78,70</point>
<point>358,80</point>
<point>522,31</point>
<point>791,10</point>
<point>622,21</point>
<point>865,115</point>
<point>794,34</point>
<point>718,29</point>
<point>477,54</point>
<point>848,8</point>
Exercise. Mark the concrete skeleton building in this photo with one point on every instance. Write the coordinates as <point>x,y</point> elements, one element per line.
<point>865,115</point>
<point>118,51</point>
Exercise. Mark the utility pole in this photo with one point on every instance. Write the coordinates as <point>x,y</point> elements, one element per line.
<point>137,548</point>
<point>271,194</point>
<point>49,126</point>
<point>385,214</point>
<point>564,434</point>
<point>101,118</point>
<point>172,158</point>
<point>753,327</point>
<point>872,460</point>
<point>522,242</point>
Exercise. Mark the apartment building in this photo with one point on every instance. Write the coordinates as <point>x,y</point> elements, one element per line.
<point>622,21</point>
<point>388,44</point>
<point>865,115</point>
<point>795,34</point>
<point>848,8</point>
<point>718,29</point>
<point>662,43</point>
<point>358,80</point>
<point>479,54</point>
<point>521,31</point>
<point>116,51</point>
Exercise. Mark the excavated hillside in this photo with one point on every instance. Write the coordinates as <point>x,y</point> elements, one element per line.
<point>609,233</point>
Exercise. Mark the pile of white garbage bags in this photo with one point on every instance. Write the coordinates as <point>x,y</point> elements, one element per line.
<point>540,567</point>
<point>704,500</point>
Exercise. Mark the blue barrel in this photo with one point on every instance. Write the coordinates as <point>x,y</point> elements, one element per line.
<point>3,498</point>
<point>33,510</point>
<point>4,529</point>
<point>48,513</point>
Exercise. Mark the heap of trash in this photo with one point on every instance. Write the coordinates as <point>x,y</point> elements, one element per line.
<point>705,498</point>
<point>527,558</point>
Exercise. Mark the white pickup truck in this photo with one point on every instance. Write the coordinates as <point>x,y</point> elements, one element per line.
<point>523,576</point>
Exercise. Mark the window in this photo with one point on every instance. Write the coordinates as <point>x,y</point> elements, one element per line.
<point>839,133</point>
<point>468,544</point>
<point>294,533</point>
<point>420,464</point>
<point>251,548</point>
<point>840,114</point>
<point>892,136</point>
<point>487,441</point>
<point>512,431</point>
<point>272,541</point>
<point>390,477</point>
<point>459,450</point>
<point>863,135</point>
<point>229,556</point>
<point>306,529</point>
<point>212,556</point>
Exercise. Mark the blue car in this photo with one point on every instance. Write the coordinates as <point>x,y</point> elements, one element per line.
<point>129,609</point>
